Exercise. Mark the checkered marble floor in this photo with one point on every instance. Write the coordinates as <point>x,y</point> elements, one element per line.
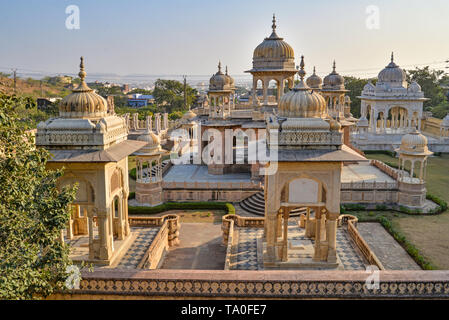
<point>136,251</point>
<point>349,257</point>
<point>245,257</point>
<point>246,254</point>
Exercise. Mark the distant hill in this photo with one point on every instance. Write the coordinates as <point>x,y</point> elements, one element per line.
<point>32,88</point>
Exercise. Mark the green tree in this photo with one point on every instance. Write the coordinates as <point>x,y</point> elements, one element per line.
<point>33,262</point>
<point>170,95</point>
<point>355,87</point>
<point>430,82</point>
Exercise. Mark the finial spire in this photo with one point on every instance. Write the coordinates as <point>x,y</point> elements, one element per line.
<point>219,66</point>
<point>82,73</point>
<point>314,70</point>
<point>301,71</point>
<point>226,70</point>
<point>392,56</point>
<point>334,66</point>
<point>274,23</point>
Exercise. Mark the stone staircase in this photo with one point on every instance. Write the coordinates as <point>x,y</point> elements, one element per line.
<point>163,165</point>
<point>255,204</point>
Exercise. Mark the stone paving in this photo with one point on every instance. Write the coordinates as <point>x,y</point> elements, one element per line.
<point>200,248</point>
<point>386,248</point>
<point>136,251</point>
<point>199,173</point>
<point>363,172</point>
<point>247,255</point>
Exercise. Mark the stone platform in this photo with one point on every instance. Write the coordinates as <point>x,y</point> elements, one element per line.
<point>363,172</point>
<point>248,252</point>
<point>199,173</point>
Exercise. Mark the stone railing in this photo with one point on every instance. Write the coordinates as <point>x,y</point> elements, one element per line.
<point>393,173</point>
<point>311,284</point>
<point>211,185</point>
<point>152,256</point>
<point>375,185</point>
<point>229,242</point>
<point>351,222</point>
<point>232,220</point>
<point>167,236</point>
<point>242,113</point>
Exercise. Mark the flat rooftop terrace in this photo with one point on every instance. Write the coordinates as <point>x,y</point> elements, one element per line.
<point>363,172</point>
<point>198,173</point>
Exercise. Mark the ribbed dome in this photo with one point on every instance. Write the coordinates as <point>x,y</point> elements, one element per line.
<point>369,87</point>
<point>153,145</point>
<point>273,53</point>
<point>189,115</point>
<point>414,143</point>
<point>393,75</point>
<point>414,87</point>
<point>274,48</point>
<point>220,81</point>
<point>301,102</point>
<point>314,81</point>
<point>83,102</point>
<point>334,81</point>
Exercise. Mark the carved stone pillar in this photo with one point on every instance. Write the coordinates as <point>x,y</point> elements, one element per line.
<point>104,234</point>
<point>331,228</point>
<point>270,229</point>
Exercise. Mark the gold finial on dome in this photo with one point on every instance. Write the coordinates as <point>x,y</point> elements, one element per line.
<point>302,72</point>
<point>82,73</point>
<point>226,70</point>
<point>334,67</point>
<point>392,56</point>
<point>83,102</point>
<point>219,66</point>
<point>273,26</point>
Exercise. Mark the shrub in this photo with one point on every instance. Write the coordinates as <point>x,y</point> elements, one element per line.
<point>354,207</point>
<point>440,202</point>
<point>229,208</point>
<point>410,248</point>
<point>387,152</point>
<point>381,207</point>
<point>132,195</point>
<point>133,174</point>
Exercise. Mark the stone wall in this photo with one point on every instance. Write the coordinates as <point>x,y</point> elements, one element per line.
<point>167,236</point>
<point>209,191</point>
<point>218,284</point>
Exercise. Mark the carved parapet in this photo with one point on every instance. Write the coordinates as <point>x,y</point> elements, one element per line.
<point>173,225</point>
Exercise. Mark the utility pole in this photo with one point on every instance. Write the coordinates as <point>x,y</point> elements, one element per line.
<point>185,92</point>
<point>15,78</point>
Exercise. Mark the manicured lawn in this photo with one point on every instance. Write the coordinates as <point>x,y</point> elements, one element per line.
<point>429,234</point>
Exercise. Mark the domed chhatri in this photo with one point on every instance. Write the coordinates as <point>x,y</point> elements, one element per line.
<point>83,102</point>
<point>302,102</point>
<point>392,75</point>
<point>334,81</point>
<point>220,81</point>
<point>414,143</point>
<point>189,115</point>
<point>314,81</point>
<point>275,50</point>
<point>230,79</point>
<point>153,145</point>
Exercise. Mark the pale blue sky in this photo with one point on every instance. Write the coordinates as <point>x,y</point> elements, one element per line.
<point>188,37</point>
